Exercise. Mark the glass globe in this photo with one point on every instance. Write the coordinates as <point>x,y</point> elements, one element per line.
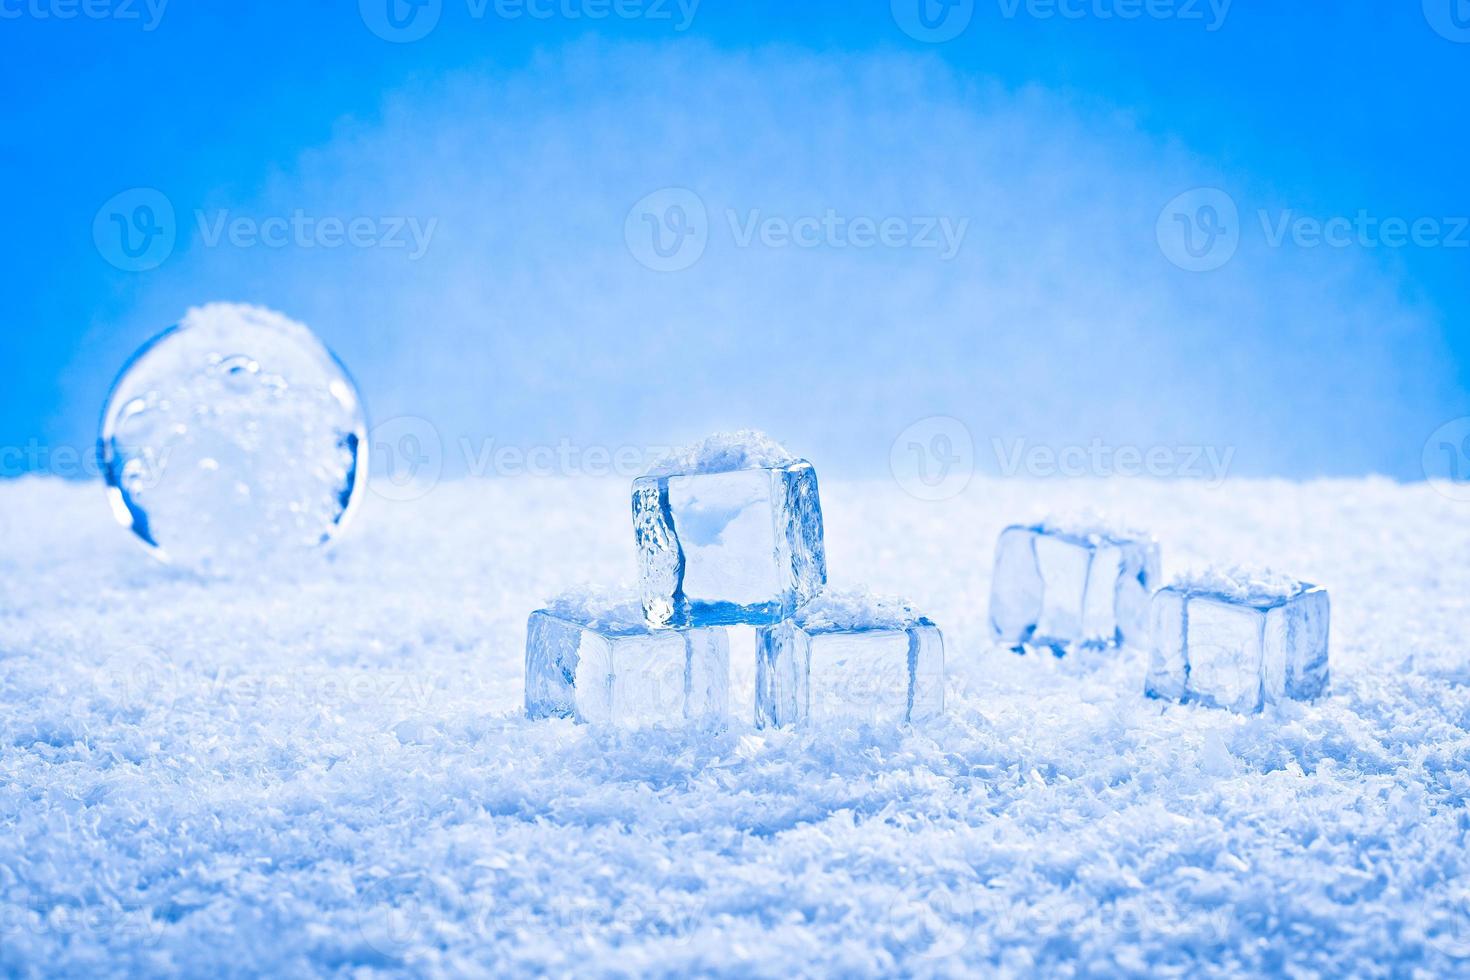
<point>233,440</point>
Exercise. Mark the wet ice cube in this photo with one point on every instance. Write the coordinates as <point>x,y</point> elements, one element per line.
<point>725,546</point>
<point>877,668</point>
<point>1238,640</point>
<point>1065,586</point>
<point>605,666</point>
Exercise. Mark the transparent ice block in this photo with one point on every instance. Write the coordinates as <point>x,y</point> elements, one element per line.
<point>872,667</point>
<point>1239,640</point>
<point>603,665</point>
<point>721,548</point>
<point>1061,587</point>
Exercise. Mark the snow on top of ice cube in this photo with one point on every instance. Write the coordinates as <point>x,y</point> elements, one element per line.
<point>745,449</point>
<point>857,609</point>
<point>1239,583</point>
<point>1091,524</point>
<point>599,607</point>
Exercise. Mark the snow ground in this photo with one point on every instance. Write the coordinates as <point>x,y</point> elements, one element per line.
<point>329,772</point>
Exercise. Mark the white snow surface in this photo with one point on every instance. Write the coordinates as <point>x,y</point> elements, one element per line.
<point>722,452</point>
<point>329,771</point>
<point>1241,583</point>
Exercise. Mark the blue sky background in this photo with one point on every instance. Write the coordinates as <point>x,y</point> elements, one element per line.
<point>1062,319</point>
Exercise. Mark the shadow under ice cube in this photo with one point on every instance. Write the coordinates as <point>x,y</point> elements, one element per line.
<point>813,668</point>
<point>722,548</point>
<point>1069,587</point>
<point>1239,642</point>
<point>609,668</point>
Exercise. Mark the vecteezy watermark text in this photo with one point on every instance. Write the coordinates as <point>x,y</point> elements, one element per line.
<point>405,21</point>
<point>147,13</point>
<point>302,230</point>
<point>935,459</point>
<point>409,455</point>
<point>1210,13</point>
<point>1016,457</point>
<point>937,21</point>
<point>1201,230</point>
<point>1363,230</point>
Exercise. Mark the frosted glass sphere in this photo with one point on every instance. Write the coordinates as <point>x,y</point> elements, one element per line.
<point>234,440</point>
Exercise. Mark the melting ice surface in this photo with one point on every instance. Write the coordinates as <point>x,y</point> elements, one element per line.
<point>233,439</point>
<point>728,531</point>
<point>590,657</point>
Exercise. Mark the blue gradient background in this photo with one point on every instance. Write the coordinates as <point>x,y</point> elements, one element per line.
<point>528,140</point>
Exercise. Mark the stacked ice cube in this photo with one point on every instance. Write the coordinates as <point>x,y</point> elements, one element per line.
<point>729,532</point>
<point>849,655</point>
<point>590,656</point>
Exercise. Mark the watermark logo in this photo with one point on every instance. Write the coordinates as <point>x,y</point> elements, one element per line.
<point>149,13</point>
<point>135,230</point>
<point>1446,459</point>
<point>667,231</point>
<point>937,917</point>
<point>399,912</point>
<point>407,457</point>
<point>401,21</point>
<point>932,21</point>
<point>1449,18</point>
<point>1447,927</point>
<point>933,459</point>
<point>410,455</point>
<point>139,678</point>
<point>1199,231</point>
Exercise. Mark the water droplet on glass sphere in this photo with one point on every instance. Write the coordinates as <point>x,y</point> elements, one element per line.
<point>233,440</point>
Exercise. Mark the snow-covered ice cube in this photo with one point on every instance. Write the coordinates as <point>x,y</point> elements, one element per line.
<point>1061,585</point>
<point>593,659</point>
<point>728,531</point>
<point>1238,639</point>
<point>851,657</point>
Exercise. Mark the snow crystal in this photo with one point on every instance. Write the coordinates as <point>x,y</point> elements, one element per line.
<point>609,609</point>
<point>329,771</point>
<point>723,452</point>
<point>856,609</point>
<point>1251,585</point>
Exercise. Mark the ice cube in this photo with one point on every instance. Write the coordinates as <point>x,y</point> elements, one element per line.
<point>1061,586</point>
<point>1238,639</point>
<point>594,659</point>
<point>849,657</point>
<point>729,531</point>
